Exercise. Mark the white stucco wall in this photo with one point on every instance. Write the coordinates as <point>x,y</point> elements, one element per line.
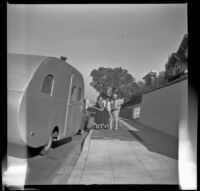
<point>160,109</point>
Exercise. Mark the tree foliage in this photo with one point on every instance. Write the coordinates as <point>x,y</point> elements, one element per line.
<point>161,79</point>
<point>109,80</point>
<point>106,81</point>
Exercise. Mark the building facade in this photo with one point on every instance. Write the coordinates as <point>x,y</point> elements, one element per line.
<point>177,64</point>
<point>150,77</point>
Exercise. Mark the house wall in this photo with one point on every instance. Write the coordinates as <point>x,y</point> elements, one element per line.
<point>179,67</point>
<point>160,109</point>
<point>183,67</point>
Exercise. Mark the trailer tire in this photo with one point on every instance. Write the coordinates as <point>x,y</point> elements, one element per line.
<point>55,135</point>
<point>47,147</point>
<point>80,132</point>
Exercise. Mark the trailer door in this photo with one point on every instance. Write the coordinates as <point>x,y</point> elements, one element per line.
<point>71,117</point>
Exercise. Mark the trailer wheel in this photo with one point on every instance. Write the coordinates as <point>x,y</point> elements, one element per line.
<point>47,147</point>
<point>55,135</point>
<point>80,130</point>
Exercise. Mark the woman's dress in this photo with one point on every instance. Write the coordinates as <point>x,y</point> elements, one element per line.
<point>99,117</point>
<point>106,116</point>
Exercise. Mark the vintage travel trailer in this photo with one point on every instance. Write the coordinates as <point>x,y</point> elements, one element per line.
<point>45,100</point>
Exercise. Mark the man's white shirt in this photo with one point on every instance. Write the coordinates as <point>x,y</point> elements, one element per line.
<point>107,105</point>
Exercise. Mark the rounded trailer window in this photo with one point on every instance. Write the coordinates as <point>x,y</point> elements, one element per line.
<point>47,85</point>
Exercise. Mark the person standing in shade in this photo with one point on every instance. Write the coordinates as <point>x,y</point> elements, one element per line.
<point>115,109</point>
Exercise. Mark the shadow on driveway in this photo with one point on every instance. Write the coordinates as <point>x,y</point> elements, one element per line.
<point>24,152</point>
<point>154,140</point>
<point>61,142</point>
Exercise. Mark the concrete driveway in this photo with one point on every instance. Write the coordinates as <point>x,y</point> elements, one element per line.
<point>125,156</point>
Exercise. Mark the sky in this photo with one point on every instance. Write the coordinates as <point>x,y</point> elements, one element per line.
<point>136,37</point>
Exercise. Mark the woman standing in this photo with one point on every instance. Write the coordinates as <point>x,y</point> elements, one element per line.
<point>99,112</point>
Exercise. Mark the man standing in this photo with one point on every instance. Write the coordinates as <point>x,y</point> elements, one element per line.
<point>115,109</point>
<point>107,112</point>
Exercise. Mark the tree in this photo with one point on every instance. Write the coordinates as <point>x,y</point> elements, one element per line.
<point>109,80</point>
<point>137,87</point>
<point>161,79</point>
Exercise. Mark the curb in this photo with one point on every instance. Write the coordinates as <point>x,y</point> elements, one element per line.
<point>64,173</point>
<point>78,169</point>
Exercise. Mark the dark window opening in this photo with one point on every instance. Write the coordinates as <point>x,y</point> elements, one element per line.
<point>47,85</point>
